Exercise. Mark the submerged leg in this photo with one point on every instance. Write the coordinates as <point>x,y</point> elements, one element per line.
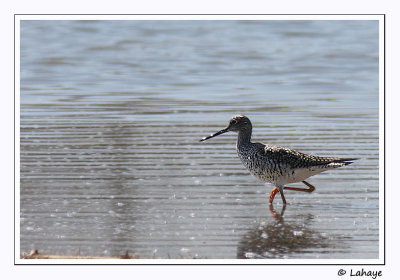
<point>280,188</point>
<point>273,212</point>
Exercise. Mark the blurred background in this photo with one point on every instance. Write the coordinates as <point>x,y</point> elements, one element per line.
<point>112,111</point>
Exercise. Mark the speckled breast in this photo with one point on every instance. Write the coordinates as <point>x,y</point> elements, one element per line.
<point>264,169</point>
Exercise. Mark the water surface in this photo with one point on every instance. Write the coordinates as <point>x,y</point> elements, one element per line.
<point>111,115</point>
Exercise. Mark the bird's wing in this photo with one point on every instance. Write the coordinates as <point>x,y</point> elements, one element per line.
<point>294,159</point>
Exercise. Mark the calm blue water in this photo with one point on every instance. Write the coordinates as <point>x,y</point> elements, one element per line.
<point>111,115</point>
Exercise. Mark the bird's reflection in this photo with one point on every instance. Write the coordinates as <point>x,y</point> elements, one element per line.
<point>279,238</point>
<point>275,215</point>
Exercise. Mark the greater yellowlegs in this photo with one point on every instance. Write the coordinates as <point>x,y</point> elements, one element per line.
<point>277,165</point>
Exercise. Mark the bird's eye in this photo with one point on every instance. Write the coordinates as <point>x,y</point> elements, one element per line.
<point>234,122</point>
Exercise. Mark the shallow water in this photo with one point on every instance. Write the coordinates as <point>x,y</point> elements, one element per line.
<point>111,115</point>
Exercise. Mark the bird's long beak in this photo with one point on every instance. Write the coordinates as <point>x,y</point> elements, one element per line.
<point>215,134</point>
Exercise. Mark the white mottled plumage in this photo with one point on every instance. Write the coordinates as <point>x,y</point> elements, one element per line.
<point>277,165</point>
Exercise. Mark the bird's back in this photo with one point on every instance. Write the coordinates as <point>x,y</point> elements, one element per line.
<point>282,165</point>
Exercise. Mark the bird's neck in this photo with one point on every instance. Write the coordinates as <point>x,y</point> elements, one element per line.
<point>244,137</point>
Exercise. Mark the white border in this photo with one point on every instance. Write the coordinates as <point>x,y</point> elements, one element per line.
<point>206,261</point>
<point>380,18</point>
<point>17,181</point>
<point>197,17</point>
<point>382,189</point>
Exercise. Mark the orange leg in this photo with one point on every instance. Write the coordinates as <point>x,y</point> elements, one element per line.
<point>310,189</point>
<point>273,193</point>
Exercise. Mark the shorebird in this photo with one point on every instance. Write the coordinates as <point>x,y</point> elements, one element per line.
<point>277,165</point>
